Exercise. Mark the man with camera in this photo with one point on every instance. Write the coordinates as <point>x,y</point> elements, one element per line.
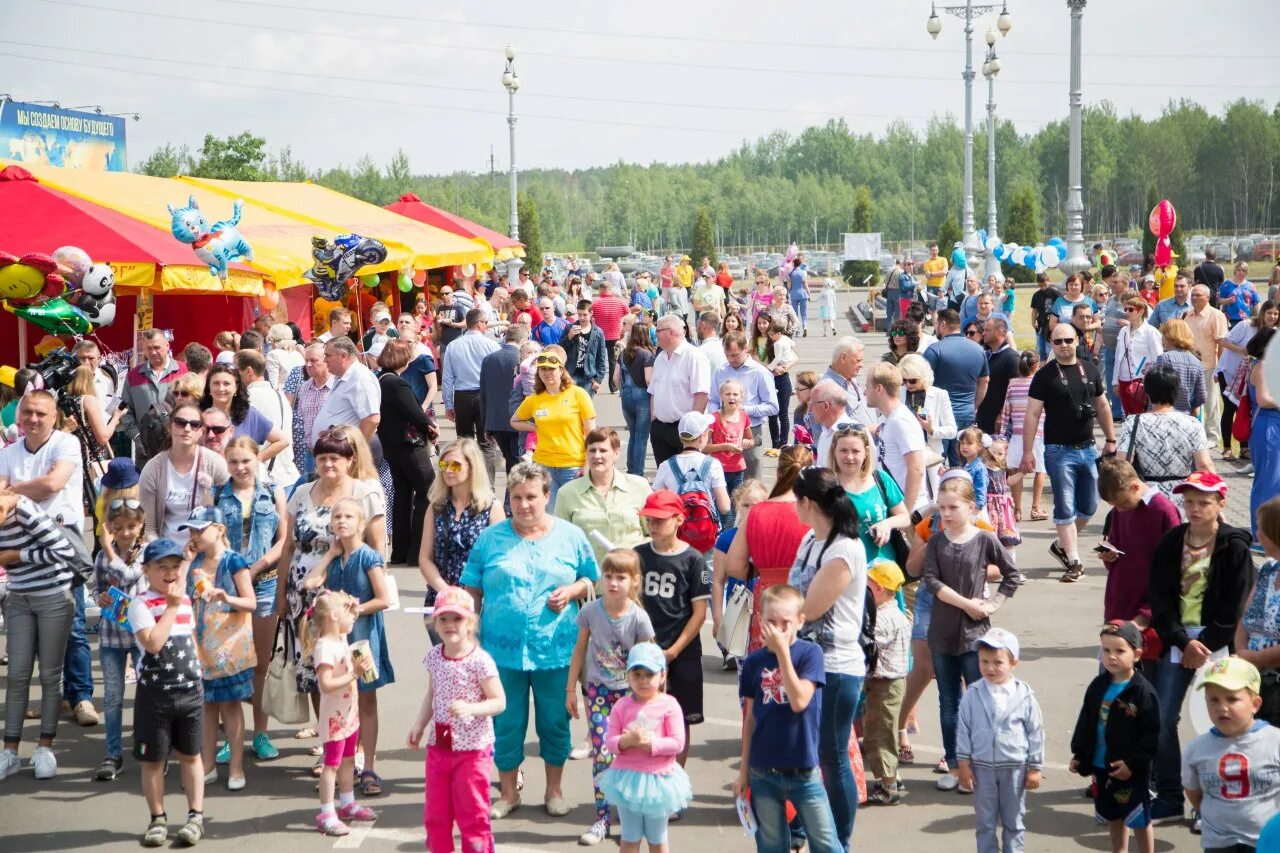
<point>1071,395</point>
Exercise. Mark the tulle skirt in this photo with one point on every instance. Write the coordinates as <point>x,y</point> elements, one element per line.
<point>648,793</point>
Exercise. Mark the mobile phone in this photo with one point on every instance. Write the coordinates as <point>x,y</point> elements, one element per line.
<point>1108,548</point>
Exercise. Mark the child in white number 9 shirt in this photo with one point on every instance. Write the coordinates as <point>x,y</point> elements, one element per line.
<point>463,696</point>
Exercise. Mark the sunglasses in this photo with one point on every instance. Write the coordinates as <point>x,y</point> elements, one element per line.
<point>850,429</point>
<point>130,503</point>
<point>897,333</point>
<point>545,364</point>
<point>1061,341</point>
<point>450,466</point>
<point>1134,311</point>
<point>972,333</point>
<point>217,430</point>
<point>183,422</point>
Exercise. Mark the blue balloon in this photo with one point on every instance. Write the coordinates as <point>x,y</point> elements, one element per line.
<point>982,236</point>
<point>1056,242</point>
<point>1001,252</point>
<point>1062,253</point>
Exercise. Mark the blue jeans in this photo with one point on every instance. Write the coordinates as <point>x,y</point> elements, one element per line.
<point>114,662</point>
<point>801,307</point>
<point>77,663</point>
<point>732,479</point>
<point>891,297</point>
<point>1073,476</point>
<point>635,411</point>
<point>1109,377</point>
<point>560,476</point>
<point>1172,683</point>
<point>948,670</point>
<point>770,793</point>
<point>839,703</point>
<point>1043,347</point>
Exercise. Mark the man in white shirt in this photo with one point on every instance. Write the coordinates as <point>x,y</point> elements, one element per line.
<point>105,382</point>
<point>275,407</point>
<point>356,398</point>
<point>339,325</point>
<point>681,384</point>
<point>899,439</point>
<point>709,333</point>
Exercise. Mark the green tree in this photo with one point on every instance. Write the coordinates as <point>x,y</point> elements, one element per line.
<point>236,158</point>
<point>948,235</point>
<point>856,272</point>
<point>168,161</point>
<point>530,230</point>
<point>704,242</point>
<point>1022,226</point>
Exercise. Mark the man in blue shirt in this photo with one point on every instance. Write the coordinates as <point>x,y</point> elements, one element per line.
<point>462,380</point>
<point>552,328</point>
<point>759,394</point>
<point>959,368</point>
<point>800,292</point>
<point>1176,306</point>
<point>1238,297</point>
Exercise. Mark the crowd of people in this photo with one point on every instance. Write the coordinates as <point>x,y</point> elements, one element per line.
<point>215,509</point>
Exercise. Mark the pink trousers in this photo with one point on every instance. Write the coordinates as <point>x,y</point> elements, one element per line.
<point>458,792</point>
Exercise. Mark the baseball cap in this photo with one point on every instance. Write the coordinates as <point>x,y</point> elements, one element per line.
<point>455,600</point>
<point>1149,277</point>
<point>1135,267</point>
<point>202,517</point>
<point>693,424</point>
<point>663,503</point>
<point>1233,673</point>
<point>1125,630</point>
<point>886,574</point>
<point>646,656</point>
<point>1203,481</point>
<point>121,473</point>
<point>999,638</point>
<point>158,549</point>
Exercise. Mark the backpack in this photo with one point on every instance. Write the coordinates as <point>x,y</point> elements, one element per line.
<point>153,429</point>
<point>701,520</point>
<point>867,636</point>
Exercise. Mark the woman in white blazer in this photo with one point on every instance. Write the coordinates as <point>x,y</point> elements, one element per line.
<point>1138,345</point>
<point>932,408</point>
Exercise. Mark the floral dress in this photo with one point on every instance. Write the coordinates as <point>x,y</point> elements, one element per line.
<point>1262,614</point>
<point>455,536</point>
<point>1000,508</point>
<point>311,538</point>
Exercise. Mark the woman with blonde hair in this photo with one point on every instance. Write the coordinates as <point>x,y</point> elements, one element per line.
<point>560,414</point>
<point>96,428</point>
<point>187,388</point>
<point>932,409</point>
<point>1180,354</point>
<point>875,495</point>
<point>285,354</point>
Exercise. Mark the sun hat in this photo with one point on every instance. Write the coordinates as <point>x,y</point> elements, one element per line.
<point>886,574</point>
<point>693,424</point>
<point>998,638</point>
<point>1202,481</point>
<point>158,549</point>
<point>202,517</point>
<point>121,473</point>
<point>455,600</point>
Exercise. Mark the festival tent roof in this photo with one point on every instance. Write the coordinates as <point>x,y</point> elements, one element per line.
<point>429,247</point>
<point>34,217</point>
<point>410,205</point>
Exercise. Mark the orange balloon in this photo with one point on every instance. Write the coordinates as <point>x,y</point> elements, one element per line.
<point>269,299</point>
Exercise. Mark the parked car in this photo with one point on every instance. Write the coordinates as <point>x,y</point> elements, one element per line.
<point>1244,250</point>
<point>1265,249</point>
<point>1130,257</point>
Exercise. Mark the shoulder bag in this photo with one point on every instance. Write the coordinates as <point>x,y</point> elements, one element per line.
<point>1133,394</point>
<point>280,696</point>
<point>896,540</point>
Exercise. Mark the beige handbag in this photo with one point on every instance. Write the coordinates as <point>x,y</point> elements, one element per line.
<point>735,624</point>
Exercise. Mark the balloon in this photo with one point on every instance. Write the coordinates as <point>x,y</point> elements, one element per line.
<point>982,236</point>
<point>339,259</point>
<point>792,251</point>
<point>369,280</point>
<point>216,245</point>
<point>31,278</point>
<point>1018,256</point>
<point>404,282</point>
<point>1052,257</point>
<point>990,243</point>
<point>1000,252</point>
<point>1162,221</point>
<point>57,317</point>
<point>269,299</point>
<point>73,263</point>
<point>1057,243</point>
<point>468,270</point>
<point>96,298</point>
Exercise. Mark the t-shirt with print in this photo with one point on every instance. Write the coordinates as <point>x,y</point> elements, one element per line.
<point>899,435</point>
<point>1042,304</point>
<point>1062,388</point>
<point>559,419</point>
<point>339,715</point>
<point>689,461</point>
<point>1114,689</point>
<point>781,738</point>
<point>1195,579</point>
<point>837,630</point>
<point>611,641</point>
<point>459,680</point>
<point>179,500</point>
<point>1240,780</point>
<point>671,583</point>
<point>176,666</point>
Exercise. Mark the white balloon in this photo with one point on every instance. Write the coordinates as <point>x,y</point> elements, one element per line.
<point>1018,256</point>
<point>468,270</point>
<point>1051,257</point>
<point>991,243</point>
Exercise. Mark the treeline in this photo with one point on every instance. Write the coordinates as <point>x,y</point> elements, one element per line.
<point>1221,172</point>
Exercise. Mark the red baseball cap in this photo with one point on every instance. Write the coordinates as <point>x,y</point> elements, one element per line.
<point>1203,481</point>
<point>663,503</point>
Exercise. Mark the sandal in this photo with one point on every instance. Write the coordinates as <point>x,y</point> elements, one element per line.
<point>317,768</point>
<point>370,783</point>
<point>1017,516</point>
<point>330,824</point>
<point>1039,514</point>
<point>304,734</point>
<point>906,755</point>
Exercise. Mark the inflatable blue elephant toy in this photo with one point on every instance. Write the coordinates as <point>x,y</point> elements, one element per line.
<point>216,245</point>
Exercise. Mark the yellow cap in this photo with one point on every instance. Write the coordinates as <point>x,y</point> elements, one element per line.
<point>887,574</point>
<point>1234,673</point>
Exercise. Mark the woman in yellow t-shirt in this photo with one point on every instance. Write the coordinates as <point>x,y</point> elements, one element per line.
<point>560,414</point>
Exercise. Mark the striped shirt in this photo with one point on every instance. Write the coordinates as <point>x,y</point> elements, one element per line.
<point>176,666</point>
<point>44,553</point>
<point>1190,370</point>
<point>1015,409</point>
<point>129,579</point>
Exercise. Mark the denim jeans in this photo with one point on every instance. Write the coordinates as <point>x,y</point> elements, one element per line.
<point>801,307</point>
<point>839,703</point>
<point>770,793</point>
<point>732,479</point>
<point>1073,477</point>
<point>891,297</point>
<point>1043,347</point>
<point>77,665</point>
<point>560,476</point>
<point>1172,682</point>
<point>1109,377</point>
<point>780,424</point>
<point>635,412</point>
<point>114,662</point>
<point>948,670</point>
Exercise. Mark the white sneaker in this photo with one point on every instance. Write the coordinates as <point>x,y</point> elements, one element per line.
<point>43,762</point>
<point>10,763</point>
<point>235,783</point>
<point>580,752</point>
<point>598,832</point>
<point>948,782</point>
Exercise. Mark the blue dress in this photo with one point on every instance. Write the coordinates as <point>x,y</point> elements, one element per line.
<point>351,575</point>
<point>232,688</point>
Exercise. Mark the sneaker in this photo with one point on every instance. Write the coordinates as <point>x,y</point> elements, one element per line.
<point>328,824</point>
<point>355,811</point>
<point>86,714</point>
<point>941,767</point>
<point>10,763</point>
<point>948,782</point>
<point>264,748</point>
<point>110,768</point>
<point>1059,553</point>
<point>580,752</point>
<point>192,831</point>
<point>1195,822</point>
<point>676,816</point>
<point>1074,572</point>
<point>598,832</point>
<point>224,754</point>
<point>43,762</point>
<point>1246,470</point>
<point>1162,812</point>
<point>157,832</point>
<point>729,664</point>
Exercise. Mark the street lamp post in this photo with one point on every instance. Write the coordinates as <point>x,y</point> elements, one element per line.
<point>990,68</point>
<point>1076,261</point>
<point>512,83</point>
<point>1004,23</point>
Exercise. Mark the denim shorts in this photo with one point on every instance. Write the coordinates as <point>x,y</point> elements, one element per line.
<point>923,613</point>
<point>1073,476</point>
<point>265,592</point>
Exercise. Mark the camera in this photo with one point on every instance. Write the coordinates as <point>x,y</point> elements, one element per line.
<point>1085,411</point>
<point>56,369</point>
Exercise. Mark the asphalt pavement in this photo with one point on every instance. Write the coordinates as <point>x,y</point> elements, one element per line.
<point>1056,623</point>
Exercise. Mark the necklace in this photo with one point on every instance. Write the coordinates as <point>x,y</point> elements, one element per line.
<point>1205,544</point>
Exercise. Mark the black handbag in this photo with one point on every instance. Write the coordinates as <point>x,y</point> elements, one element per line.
<point>898,542</point>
